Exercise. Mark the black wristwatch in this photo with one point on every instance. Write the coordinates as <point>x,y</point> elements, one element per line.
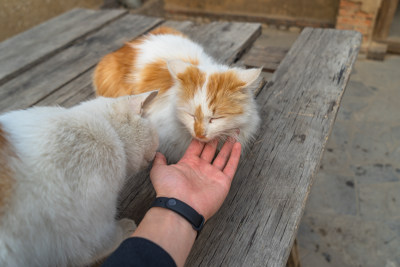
<point>183,209</point>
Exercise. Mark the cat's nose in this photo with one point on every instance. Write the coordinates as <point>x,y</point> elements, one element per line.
<point>200,136</point>
<point>200,133</point>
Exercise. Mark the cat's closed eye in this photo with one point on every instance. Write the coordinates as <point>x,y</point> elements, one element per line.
<point>215,118</point>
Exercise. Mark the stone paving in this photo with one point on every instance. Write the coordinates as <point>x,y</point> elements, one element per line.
<point>352,217</point>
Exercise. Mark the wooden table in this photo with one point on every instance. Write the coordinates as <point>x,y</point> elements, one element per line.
<point>52,64</point>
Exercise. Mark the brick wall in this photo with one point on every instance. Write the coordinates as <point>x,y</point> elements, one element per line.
<point>352,16</point>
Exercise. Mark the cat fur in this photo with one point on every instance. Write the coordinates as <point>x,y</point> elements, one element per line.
<point>61,172</point>
<point>198,97</point>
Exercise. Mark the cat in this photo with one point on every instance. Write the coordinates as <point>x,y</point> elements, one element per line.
<point>198,97</point>
<point>60,174</point>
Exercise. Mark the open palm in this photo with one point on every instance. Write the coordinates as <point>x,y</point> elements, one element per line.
<point>197,179</point>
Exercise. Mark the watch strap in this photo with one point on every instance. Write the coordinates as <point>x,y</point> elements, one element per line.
<point>192,216</point>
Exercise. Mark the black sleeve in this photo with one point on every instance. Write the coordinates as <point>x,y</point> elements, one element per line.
<point>141,252</point>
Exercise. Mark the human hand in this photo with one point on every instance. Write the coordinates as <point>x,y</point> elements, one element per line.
<point>197,179</point>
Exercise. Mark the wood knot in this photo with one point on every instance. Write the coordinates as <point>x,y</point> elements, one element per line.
<point>300,138</point>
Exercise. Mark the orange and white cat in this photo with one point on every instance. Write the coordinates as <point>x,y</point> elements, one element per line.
<point>198,97</point>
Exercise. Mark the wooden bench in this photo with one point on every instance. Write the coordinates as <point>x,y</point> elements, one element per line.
<point>52,64</point>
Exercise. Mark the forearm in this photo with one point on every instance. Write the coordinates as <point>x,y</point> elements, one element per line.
<point>168,230</point>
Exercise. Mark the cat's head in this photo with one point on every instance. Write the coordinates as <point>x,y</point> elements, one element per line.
<point>140,138</point>
<point>214,103</point>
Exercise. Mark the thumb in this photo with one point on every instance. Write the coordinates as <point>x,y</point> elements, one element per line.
<point>159,160</point>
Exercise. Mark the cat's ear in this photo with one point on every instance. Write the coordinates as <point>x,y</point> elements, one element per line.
<point>139,103</point>
<point>177,66</point>
<point>248,76</point>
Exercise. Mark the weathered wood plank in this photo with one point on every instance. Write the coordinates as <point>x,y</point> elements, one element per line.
<point>257,224</point>
<point>38,82</point>
<point>226,41</point>
<point>269,49</point>
<point>28,48</point>
<point>74,92</point>
<point>267,58</point>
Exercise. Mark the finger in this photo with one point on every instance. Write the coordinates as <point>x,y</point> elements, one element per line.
<point>159,160</point>
<point>231,166</point>
<point>223,155</point>
<point>194,148</point>
<point>209,151</point>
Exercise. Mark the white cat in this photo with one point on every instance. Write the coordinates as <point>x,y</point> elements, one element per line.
<point>60,174</point>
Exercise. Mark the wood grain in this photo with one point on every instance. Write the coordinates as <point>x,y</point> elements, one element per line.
<point>35,84</point>
<point>28,48</point>
<point>74,92</point>
<point>258,222</point>
<point>224,41</point>
<point>267,58</point>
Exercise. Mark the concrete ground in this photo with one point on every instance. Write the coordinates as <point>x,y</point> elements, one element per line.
<point>352,217</point>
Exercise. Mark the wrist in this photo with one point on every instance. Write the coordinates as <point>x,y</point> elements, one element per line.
<point>169,230</point>
<point>170,218</point>
<point>166,221</point>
